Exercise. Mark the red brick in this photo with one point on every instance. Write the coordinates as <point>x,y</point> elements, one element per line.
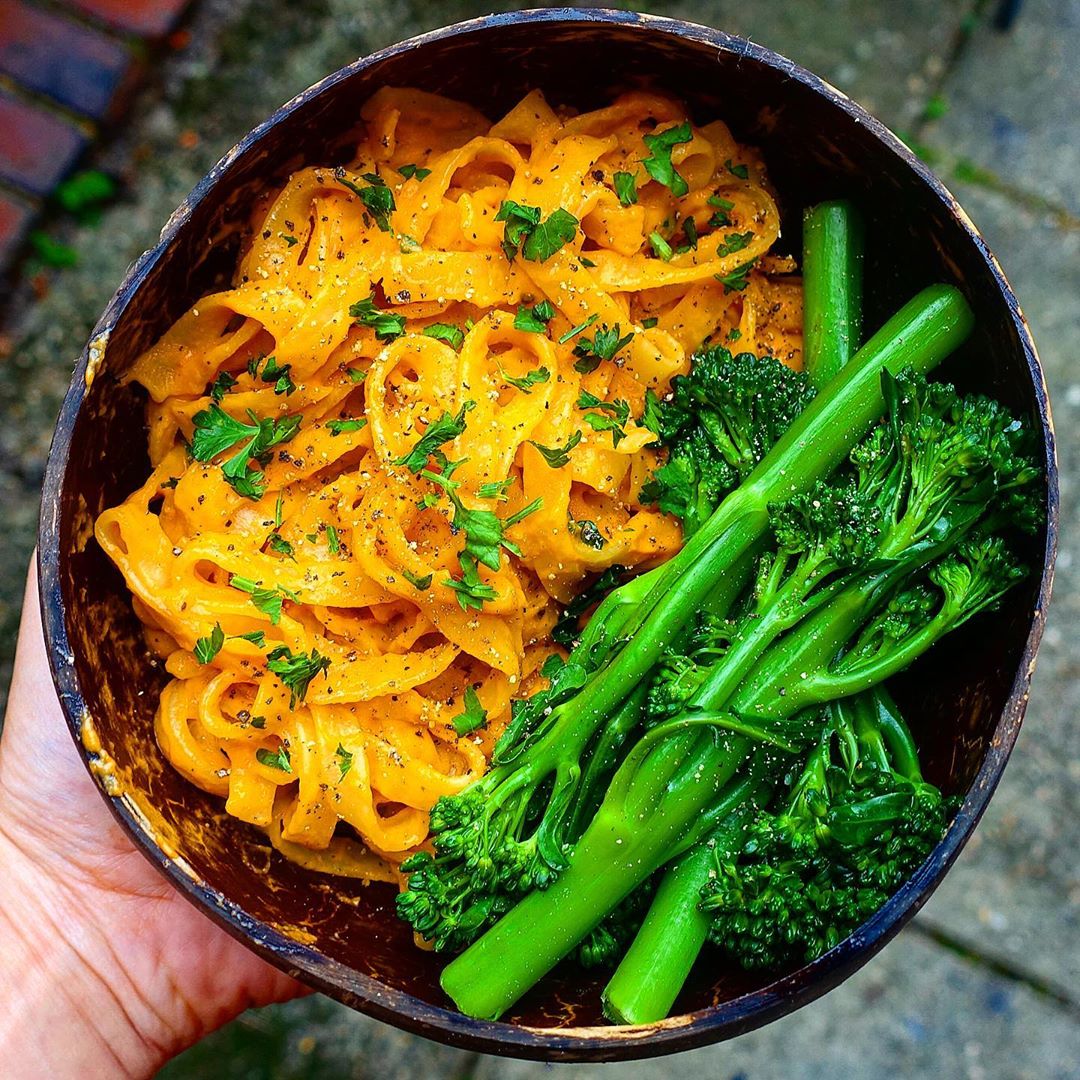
<point>36,147</point>
<point>73,64</point>
<point>15,219</point>
<point>146,18</point>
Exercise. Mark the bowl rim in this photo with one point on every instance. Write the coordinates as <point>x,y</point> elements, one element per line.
<point>397,1007</point>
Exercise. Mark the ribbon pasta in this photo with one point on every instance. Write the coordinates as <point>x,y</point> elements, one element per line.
<point>339,554</point>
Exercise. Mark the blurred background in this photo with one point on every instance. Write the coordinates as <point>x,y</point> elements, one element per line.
<point>111,110</point>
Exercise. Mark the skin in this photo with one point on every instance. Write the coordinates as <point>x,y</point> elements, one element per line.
<point>108,971</point>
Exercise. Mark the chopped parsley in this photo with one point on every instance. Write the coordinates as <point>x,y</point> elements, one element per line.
<point>386,324</point>
<point>440,431</point>
<point>273,372</point>
<point>661,248</point>
<point>377,198</point>
<point>268,601</point>
<point>536,240</point>
<point>534,320</point>
<point>409,171</point>
<point>575,330</point>
<point>206,648</point>
<point>345,760</point>
<point>741,171</point>
<point>417,581</point>
<point>527,381</point>
<point>690,231</point>
<point>274,759</point>
<point>221,385</point>
<point>558,456</point>
<point>497,489</point>
<point>736,280</point>
<point>734,334</point>
<point>216,431</point>
<point>648,324</point>
<point>650,417</point>
<point>282,546</point>
<point>333,541</point>
<point>720,218</point>
<point>471,591</point>
<point>344,424</point>
<point>256,637</point>
<point>296,670</point>
<point>279,510</point>
<point>589,533</point>
<point>733,242</point>
<point>603,345</point>
<point>258,722</point>
<point>625,188</point>
<point>452,335</point>
<point>658,163</point>
<point>473,718</point>
<point>290,240</point>
<point>613,417</point>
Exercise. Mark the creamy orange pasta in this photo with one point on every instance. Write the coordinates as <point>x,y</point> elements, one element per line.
<point>411,431</point>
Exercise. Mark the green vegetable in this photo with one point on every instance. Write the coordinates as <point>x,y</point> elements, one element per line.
<point>605,344</point>
<point>206,648</point>
<point>409,171</point>
<point>417,581</point>
<point>558,456</point>
<point>471,591</point>
<point>440,431</point>
<point>473,717</point>
<point>549,236</point>
<point>658,163</point>
<point>528,380</point>
<point>736,280</point>
<point>274,759</point>
<point>613,415</point>
<point>832,288</point>
<point>345,760</point>
<point>869,569</point>
<point>535,319</point>
<point>387,325</point>
<point>296,670</point>
<point>511,831</point>
<point>273,372</point>
<point>268,601</point>
<point>377,198</point>
<point>215,431</point>
<point>343,424</point>
<point>625,188</point>
<point>661,248</point>
<point>454,336</point>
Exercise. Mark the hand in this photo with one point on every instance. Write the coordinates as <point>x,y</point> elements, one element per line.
<point>107,969</point>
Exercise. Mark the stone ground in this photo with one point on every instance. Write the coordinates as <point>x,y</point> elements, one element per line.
<point>986,981</point>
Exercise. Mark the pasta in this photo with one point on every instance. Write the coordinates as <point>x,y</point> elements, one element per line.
<point>410,431</point>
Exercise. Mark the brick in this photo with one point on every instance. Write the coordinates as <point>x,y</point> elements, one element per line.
<point>144,18</point>
<point>75,65</point>
<point>36,147</point>
<point>15,219</point>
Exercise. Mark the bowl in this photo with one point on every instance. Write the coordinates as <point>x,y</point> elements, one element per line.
<point>965,700</point>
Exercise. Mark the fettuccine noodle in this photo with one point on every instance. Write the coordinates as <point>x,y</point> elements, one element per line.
<point>327,633</point>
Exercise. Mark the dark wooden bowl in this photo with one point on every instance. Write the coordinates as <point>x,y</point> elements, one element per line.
<point>966,700</point>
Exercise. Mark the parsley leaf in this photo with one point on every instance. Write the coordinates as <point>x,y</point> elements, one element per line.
<point>275,759</point>
<point>604,345</point>
<point>535,319</point>
<point>661,248</point>
<point>690,229</point>
<point>206,648</point>
<point>650,417</point>
<point>221,385</point>
<point>575,330</point>
<point>387,325</point>
<point>589,533</point>
<point>282,546</point>
<point>345,760</point>
<point>216,431</point>
<point>256,637</point>
<point>734,334</point>
<point>741,171</point>
<point>558,456</point>
<point>275,373</point>
<point>496,490</point>
<point>440,431</point>
<point>377,198</point>
<point>452,335</point>
<point>417,581</point>
<point>268,601</point>
<point>529,379</point>
<point>736,280</point>
<point>520,221</point>
<point>733,242</point>
<point>296,670</point>
<point>290,240</point>
<point>550,235</point>
<point>473,718</point>
<point>341,425</point>
<point>414,170</point>
<point>613,416</point>
<point>648,324</point>
<point>333,541</point>
<point>658,163</point>
<point>626,188</point>
<point>471,591</point>
<point>356,375</point>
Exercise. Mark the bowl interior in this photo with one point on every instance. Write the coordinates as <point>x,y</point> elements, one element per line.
<point>336,931</point>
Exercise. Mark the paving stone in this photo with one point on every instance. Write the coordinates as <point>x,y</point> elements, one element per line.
<point>15,218</point>
<point>145,18</point>
<point>36,146</point>
<point>73,64</point>
<point>1013,100</point>
<point>1015,891</point>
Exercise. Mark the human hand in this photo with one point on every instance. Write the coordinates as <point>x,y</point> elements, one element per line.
<point>109,970</point>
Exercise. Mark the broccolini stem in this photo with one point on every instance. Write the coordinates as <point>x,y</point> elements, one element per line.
<point>651,974</point>
<point>832,288</point>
